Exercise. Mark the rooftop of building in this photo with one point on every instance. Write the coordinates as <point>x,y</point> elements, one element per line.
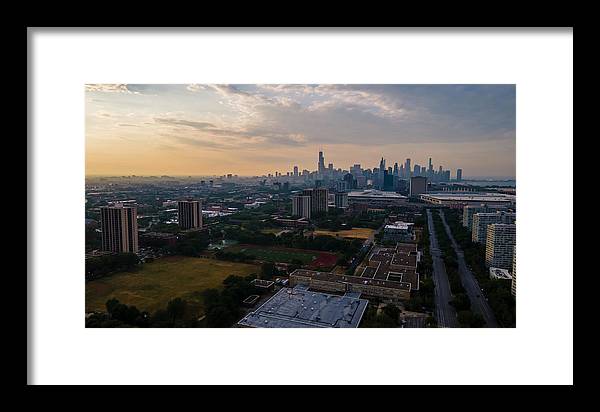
<point>406,247</point>
<point>302,308</point>
<point>399,225</point>
<point>401,259</point>
<point>330,277</point>
<point>471,197</point>
<point>262,283</point>
<point>376,194</point>
<point>500,273</point>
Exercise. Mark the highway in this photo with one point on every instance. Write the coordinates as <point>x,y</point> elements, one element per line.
<point>445,313</point>
<point>478,302</point>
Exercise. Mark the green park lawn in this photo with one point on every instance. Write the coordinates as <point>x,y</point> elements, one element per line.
<point>275,255</point>
<point>151,286</point>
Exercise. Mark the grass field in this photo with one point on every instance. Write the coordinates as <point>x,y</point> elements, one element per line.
<point>315,259</point>
<point>154,284</point>
<point>270,254</point>
<point>355,233</point>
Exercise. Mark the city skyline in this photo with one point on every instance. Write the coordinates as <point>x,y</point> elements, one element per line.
<point>253,130</point>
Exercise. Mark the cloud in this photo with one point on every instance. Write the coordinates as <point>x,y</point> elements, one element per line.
<point>264,118</point>
<point>195,87</point>
<point>180,122</point>
<point>109,88</point>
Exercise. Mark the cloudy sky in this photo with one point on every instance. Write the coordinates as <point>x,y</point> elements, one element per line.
<point>194,129</point>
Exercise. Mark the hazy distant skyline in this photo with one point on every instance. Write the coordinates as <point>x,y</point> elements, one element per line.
<point>192,129</point>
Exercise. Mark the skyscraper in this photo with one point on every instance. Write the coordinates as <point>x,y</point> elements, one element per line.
<point>341,200</point>
<point>388,181</point>
<point>190,214</point>
<point>301,206</point>
<point>318,199</point>
<point>500,245</point>
<point>407,169</point>
<point>321,168</point>
<point>295,170</point>
<point>119,228</point>
<point>513,284</point>
<point>396,170</point>
<point>481,222</point>
<point>350,181</point>
<point>458,175</point>
<point>418,185</point>
<point>381,172</point>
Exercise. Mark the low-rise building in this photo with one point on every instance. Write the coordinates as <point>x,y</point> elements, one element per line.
<point>398,231</point>
<point>299,307</point>
<point>376,198</point>
<point>462,199</point>
<point>329,282</point>
<point>499,273</point>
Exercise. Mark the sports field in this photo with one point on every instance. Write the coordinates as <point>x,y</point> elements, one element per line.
<point>314,258</point>
<point>355,233</point>
<point>154,284</point>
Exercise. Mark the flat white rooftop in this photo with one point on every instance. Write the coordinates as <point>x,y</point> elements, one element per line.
<point>399,225</point>
<point>375,194</point>
<point>498,273</point>
<point>301,308</point>
<point>477,197</point>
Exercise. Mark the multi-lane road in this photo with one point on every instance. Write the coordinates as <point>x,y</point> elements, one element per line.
<point>445,313</point>
<point>479,303</point>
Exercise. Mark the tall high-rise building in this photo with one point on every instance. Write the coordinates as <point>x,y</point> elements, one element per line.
<point>481,222</point>
<point>190,214</point>
<point>407,169</point>
<point>416,170</point>
<point>458,175</point>
<point>418,185</point>
<point>381,172</point>
<point>341,200</point>
<point>119,228</point>
<point>301,206</point>
<point>350,181</point>
<point>321,168</point>
<point>500,245</point>
<point>396,170</point>
<point>513,283</point>
<point>470,210</point>
<point>295,170</point>
<point>318,199</point>
<point>388,181</point>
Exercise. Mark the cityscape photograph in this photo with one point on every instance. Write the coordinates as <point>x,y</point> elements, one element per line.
<point>300,206</point>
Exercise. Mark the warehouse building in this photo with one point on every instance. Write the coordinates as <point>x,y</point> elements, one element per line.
<point>299,307</point>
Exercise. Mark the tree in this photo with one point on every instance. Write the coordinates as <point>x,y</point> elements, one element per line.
<point>176,309</point>
<point>392,311</point>
<point>219,317</point>
<point>461,302</point>
<point>268,271</point>
<point>111,304</point>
